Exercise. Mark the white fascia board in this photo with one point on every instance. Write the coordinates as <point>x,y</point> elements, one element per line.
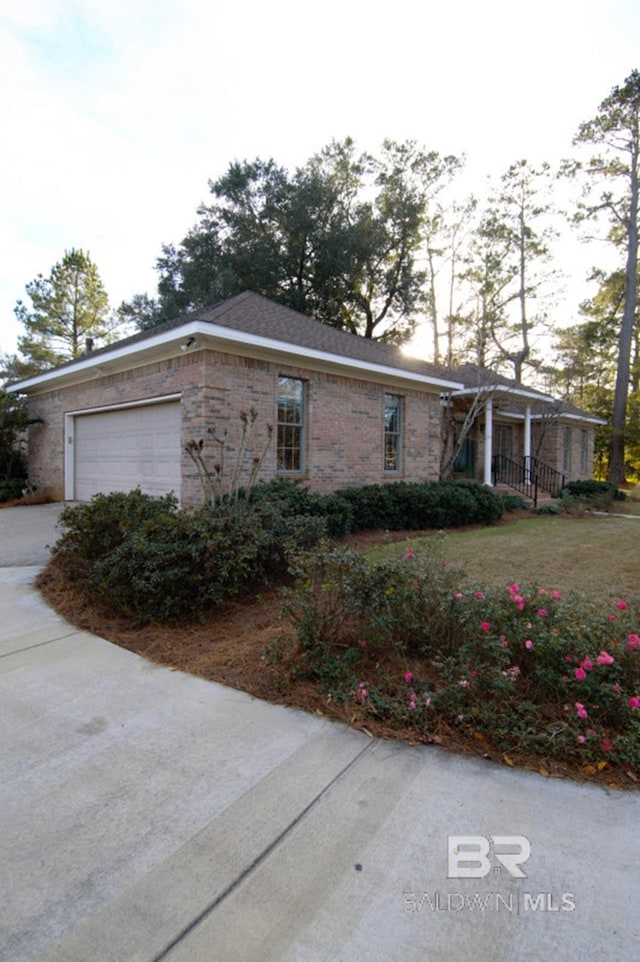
<point>503,389</point>
<point>565,415</point>
<point>221,337</point>
<point>306,353</point>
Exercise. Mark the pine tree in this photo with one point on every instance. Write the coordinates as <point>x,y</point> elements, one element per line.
<point>68,307</point>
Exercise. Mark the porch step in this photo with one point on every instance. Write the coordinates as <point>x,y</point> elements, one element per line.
<point>544,498</point>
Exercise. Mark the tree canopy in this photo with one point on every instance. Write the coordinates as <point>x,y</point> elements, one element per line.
<point>337,239</point>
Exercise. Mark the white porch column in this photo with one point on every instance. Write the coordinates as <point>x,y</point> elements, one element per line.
<point>527,440</point>
<point>488,440</point>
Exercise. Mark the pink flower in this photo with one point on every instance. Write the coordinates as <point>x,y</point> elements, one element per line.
<point>591,731</point>
<point>634,701</point>
<point>362,694</point>
<point>586,663</point>
<point>543,612</point>
<point>479,595</point>
<point>622,605</point>
<point>528,644</point>
<point>604,658</point>
<point>542,591</point>
<point>556,595</point>
<point>458,594</point>
<point>581,711</point>
<point>412,700</point>
<point>408,678</point>
<point>581,739</point>
<point>616,687</point>
<point>633,641</point>
<point>606,746</point>
<point>568,657</point>
<point>504,643</point>
<point>485,626</point>
<point>427,701</point>
<point>580,674</point>
<point>514,588</point>
<point>409,554</point>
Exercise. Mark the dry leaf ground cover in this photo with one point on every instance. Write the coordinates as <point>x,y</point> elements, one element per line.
<point>246,644</point>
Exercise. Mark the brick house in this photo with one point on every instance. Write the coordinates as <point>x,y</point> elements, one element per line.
<point>344,410</point>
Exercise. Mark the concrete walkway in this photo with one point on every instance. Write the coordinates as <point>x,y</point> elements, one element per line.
<point>148,815</point>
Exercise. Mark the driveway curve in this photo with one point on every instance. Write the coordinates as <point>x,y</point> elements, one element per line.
<point>149,815</point>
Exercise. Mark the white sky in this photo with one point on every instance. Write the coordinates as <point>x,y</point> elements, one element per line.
<point>115,113</point>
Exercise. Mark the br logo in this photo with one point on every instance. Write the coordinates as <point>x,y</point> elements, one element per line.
<point>474,856</point>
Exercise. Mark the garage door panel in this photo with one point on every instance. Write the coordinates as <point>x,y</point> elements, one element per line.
<point>131,447</point>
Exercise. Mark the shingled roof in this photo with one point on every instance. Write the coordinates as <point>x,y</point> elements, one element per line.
<point>476,378</point>
<point>260,318</point>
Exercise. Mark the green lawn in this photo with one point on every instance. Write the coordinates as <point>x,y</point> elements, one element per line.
<point>597,556</point>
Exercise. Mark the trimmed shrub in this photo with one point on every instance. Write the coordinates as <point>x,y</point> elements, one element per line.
<point>91,531</point>
<point>434,504</point>
<point>142,558</point>
<point>591,490</point>
<point>293,499</point>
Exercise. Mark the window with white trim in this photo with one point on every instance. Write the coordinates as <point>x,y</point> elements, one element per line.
<point>392,432</point>
<point>290,425</point>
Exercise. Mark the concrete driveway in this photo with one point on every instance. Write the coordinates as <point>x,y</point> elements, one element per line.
<point>148,815</point>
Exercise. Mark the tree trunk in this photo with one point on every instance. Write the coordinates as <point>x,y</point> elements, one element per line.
<point>625,337</point>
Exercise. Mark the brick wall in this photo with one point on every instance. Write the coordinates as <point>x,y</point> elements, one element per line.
<point>566,446</point>
<point>344,420</point>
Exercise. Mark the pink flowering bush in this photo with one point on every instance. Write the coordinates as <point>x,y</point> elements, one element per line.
<point>523,668</point>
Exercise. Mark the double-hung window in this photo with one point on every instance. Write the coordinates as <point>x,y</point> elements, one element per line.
<point>392,432</point>
<point>290,434</point>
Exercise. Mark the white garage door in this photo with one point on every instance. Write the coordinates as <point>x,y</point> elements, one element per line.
<point>128,448</point>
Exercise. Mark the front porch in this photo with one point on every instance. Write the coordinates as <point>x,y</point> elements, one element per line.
<point>502,433</point>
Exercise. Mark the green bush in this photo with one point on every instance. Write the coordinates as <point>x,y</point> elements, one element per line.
<point>395,506</point>
<point>175,566</point>
<point>433,504</point>
<point>342,603</point>
<point>591,490</point>
<point>294,499</point>
<point>11,488</point>
<point>512,502</point>
<point>91,531</point>
<point>142,558</point>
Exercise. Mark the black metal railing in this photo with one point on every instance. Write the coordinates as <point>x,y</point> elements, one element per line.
<point>528,476</point>
<point>549,479</point>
